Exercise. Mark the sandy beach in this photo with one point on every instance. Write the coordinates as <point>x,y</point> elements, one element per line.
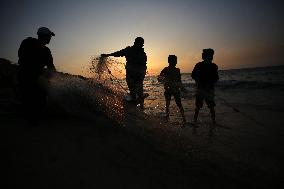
<point>83,148</point>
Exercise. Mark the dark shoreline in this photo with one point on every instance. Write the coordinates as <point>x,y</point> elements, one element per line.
<point>75,153</point>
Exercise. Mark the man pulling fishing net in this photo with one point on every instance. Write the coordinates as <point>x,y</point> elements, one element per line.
<point>136,60</point>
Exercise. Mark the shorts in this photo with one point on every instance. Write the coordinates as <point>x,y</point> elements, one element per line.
<point>207,95</point>
<point>168,95</point>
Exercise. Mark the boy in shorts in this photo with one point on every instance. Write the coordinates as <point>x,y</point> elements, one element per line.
<point>171,78</point>
<point>205,74</point>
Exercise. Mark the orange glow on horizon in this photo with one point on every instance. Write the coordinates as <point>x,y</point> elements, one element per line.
<point>157,59</point>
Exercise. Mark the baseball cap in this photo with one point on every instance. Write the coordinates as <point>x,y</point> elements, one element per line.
<point>44,31</point>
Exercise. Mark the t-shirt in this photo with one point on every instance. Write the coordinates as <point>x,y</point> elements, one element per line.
<point>171,78</point>
<point>205,74</point>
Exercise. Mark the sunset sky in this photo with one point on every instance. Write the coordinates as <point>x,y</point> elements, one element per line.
<point>243,33</point>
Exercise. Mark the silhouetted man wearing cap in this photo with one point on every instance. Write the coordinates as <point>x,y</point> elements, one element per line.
<point>136,60</point>
<point>34,56</point>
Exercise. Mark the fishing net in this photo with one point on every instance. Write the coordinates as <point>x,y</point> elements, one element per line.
<point>102,67</point>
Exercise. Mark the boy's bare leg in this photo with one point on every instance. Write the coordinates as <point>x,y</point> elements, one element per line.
<point>196,114</point>
<point>167,109</point>
<point>212,112</point>
<point>178,102</point>
<point>182,114</point>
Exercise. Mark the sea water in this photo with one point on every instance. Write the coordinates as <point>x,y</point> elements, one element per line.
<point>106,93</point>
<point>264,78</point>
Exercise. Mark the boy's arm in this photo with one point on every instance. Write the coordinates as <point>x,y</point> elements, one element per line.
<point>179,81</point>
<point>193,73</point>
<point>216,74</point>
<point>161,76</point>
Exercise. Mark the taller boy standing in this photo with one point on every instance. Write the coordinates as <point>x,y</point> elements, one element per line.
<point>205,74</point>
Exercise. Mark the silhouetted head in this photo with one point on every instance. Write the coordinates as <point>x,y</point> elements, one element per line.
<point>44,35</point>
<point>207,54</point>
<point>139,42</point>
<point>172,60</point>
